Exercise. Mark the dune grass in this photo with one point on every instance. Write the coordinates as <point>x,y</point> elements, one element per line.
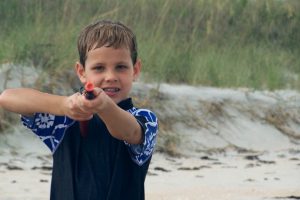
<point>223,43</point>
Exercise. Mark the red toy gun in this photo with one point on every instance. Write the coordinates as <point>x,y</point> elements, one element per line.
<point>88,93</point>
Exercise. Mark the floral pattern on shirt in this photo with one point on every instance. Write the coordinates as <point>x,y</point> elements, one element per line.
<point>142,152</point>
<point>51,129</point>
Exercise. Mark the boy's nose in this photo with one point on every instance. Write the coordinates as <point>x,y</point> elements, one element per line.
<point>110,76</point>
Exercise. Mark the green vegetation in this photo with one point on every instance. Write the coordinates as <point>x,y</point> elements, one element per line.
<point>224,43</point>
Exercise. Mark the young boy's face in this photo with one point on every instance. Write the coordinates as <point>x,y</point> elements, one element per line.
<point>110,69</point>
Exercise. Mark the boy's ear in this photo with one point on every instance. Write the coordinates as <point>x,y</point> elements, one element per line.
<point>137,69</point>
<point>80,72</point>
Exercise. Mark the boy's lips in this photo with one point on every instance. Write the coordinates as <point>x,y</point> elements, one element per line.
<point>110,91</point>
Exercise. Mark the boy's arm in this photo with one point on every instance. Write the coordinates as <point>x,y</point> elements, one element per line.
<point>121,124</point>
<point>27,101</point>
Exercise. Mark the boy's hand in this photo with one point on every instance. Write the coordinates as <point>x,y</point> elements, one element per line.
<point>74,108</point>
<point>97,103</point>
<point>79,108</point>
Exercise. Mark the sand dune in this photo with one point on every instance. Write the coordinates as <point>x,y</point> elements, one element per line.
<point>230,144</point>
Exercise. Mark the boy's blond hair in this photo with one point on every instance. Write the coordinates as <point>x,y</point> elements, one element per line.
<point>106,33</point>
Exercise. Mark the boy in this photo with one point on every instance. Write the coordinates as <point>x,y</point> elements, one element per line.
<point>112,160</point>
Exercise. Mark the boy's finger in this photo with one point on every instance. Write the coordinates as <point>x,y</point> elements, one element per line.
<point>97,91</point>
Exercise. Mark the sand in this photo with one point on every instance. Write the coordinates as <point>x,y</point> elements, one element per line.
<point>229,175</point>
<point>216,177</point>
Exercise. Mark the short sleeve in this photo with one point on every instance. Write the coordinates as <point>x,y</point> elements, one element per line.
<point>49,128</point>
<point>147,119</point>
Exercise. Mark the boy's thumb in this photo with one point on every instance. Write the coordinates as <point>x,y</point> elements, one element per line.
<point>97,91</point>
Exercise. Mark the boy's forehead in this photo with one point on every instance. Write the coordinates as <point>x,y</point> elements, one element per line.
<point>108,56</point>
<point>108,45</point>
<point>107,51</point>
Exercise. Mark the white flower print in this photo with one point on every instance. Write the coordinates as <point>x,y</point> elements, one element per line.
<point>44,120</point>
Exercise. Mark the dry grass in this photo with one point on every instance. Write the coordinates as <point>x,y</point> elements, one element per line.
<point>280,118</point>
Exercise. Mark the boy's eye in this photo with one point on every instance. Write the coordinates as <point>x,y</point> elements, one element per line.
<point>121,67</point>
<point>98,68</point>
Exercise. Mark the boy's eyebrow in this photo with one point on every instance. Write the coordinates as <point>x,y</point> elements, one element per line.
<point>116,63</point>
<point>97,63</point>
<point>122,63</point>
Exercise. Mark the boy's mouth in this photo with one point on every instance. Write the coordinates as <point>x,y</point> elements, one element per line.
<point>111,91</point>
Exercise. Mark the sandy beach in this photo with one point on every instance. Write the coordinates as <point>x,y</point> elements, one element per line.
<point>229,175</point>
<point>227,144</point>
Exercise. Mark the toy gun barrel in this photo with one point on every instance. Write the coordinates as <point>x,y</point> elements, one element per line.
<point>88,93</point>
<point>89,88</point>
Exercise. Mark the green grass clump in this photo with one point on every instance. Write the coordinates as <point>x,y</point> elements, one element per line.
<point>223,43</point>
